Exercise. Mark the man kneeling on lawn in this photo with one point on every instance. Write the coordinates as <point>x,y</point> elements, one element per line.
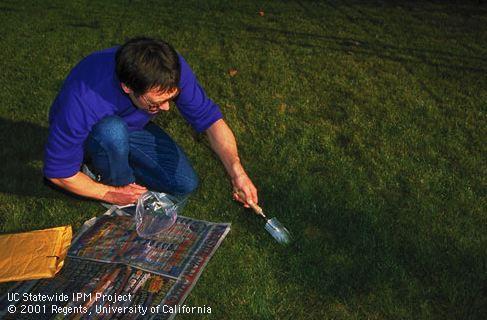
<point>102,118</point>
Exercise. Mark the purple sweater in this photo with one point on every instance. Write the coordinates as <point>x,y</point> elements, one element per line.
<point>92,92</point>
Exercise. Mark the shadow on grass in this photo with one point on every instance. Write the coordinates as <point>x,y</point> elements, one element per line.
<point>367,48</point>
<point>328,43</point>
<point>21,158</point>
<point>366,257</point>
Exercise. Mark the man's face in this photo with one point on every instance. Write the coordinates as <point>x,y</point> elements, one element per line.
<point>154,100</point>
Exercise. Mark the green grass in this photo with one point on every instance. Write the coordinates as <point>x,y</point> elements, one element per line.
<point>361,123</point>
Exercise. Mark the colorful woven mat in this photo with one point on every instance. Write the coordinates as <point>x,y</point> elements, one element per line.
<point>111,273</point>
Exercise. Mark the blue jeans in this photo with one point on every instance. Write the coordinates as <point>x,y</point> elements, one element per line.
<point>148,157</point>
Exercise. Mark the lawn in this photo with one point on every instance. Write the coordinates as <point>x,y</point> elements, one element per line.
<point>360,122</point>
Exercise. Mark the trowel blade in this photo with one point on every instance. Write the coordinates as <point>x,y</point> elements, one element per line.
<point>278,231</point>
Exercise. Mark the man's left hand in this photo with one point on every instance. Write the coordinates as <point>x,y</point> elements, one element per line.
<point>243,183</point>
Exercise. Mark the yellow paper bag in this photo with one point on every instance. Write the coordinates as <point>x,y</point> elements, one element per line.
<point>33,255</point>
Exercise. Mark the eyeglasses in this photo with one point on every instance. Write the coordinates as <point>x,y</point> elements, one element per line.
<point>151,105</point>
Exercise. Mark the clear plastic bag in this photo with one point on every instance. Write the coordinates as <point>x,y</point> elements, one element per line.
<point>156,212</point>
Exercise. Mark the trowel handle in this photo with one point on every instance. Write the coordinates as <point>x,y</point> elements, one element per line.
<point>254,206</point>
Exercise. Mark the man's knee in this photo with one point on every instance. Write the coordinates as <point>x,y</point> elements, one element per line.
<point>111,133</point>
<point>180,186</point>
<point>186,185</point>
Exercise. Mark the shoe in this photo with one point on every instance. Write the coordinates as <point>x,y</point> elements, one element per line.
<point>89,173</point>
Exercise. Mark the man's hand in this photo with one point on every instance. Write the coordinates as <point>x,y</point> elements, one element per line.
<point>124,195</point>
<point>83,185</point>
<point>243,183</point>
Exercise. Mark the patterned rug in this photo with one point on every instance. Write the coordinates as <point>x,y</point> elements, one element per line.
<point>111,273</point>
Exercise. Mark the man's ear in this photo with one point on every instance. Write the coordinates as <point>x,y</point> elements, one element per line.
<point>126,89</point>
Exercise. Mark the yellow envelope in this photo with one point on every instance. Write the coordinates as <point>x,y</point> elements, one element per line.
<point>33,255</point>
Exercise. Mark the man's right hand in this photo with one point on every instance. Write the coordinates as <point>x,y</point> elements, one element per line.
<point>83,185</point>
<point>124,195</point>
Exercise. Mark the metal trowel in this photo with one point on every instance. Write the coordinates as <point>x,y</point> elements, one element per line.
<point>273,226</point>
